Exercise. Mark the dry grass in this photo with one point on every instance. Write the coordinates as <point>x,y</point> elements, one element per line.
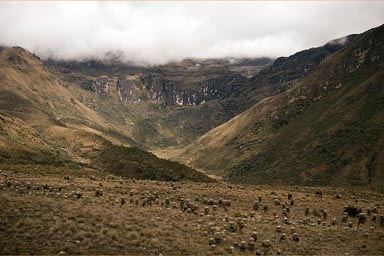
<point>50,221</point>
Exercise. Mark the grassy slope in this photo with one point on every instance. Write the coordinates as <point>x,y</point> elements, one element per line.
<point>327,130</point>
<point>20,142</point>
<point>42,122</point>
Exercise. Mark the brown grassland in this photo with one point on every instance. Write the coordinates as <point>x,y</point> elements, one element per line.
<point>56,210</point>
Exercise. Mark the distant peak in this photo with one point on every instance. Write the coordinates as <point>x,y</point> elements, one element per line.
<point>342,41</point>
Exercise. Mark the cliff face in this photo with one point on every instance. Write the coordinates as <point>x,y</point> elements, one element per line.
<point>186,83</point>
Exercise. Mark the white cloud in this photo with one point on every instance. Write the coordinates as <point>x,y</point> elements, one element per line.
<point>157,32</point>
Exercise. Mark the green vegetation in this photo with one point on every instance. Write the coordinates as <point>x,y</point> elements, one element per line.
<point>134,163</point>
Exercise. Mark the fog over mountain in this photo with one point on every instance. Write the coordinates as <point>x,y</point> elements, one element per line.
<point>159,32</point>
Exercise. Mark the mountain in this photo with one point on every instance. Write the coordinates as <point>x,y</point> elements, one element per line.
<point>43,122</point>
<point>326,130</point>
<point>233,117</point>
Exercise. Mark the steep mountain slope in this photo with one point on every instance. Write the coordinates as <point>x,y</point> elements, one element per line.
<point>327,130</point>
<point>287,72</point>
<point>42,122</point>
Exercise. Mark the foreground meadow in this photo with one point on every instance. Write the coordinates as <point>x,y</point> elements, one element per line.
<point>46,210</point>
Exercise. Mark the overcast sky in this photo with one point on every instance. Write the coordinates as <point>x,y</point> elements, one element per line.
<point>157,32</point>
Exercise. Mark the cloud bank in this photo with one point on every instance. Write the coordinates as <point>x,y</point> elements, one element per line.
<point>158,32</point>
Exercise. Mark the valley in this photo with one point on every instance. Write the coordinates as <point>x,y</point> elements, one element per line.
<point>195,157</point>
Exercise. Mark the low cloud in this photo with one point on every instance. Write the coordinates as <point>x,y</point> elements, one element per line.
<point>158,32</point>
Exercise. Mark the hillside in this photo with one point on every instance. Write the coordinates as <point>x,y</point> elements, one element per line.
<point>327,130</point>
<point>42,122</point>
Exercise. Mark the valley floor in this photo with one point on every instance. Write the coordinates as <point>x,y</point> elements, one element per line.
<point>46,210</point>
